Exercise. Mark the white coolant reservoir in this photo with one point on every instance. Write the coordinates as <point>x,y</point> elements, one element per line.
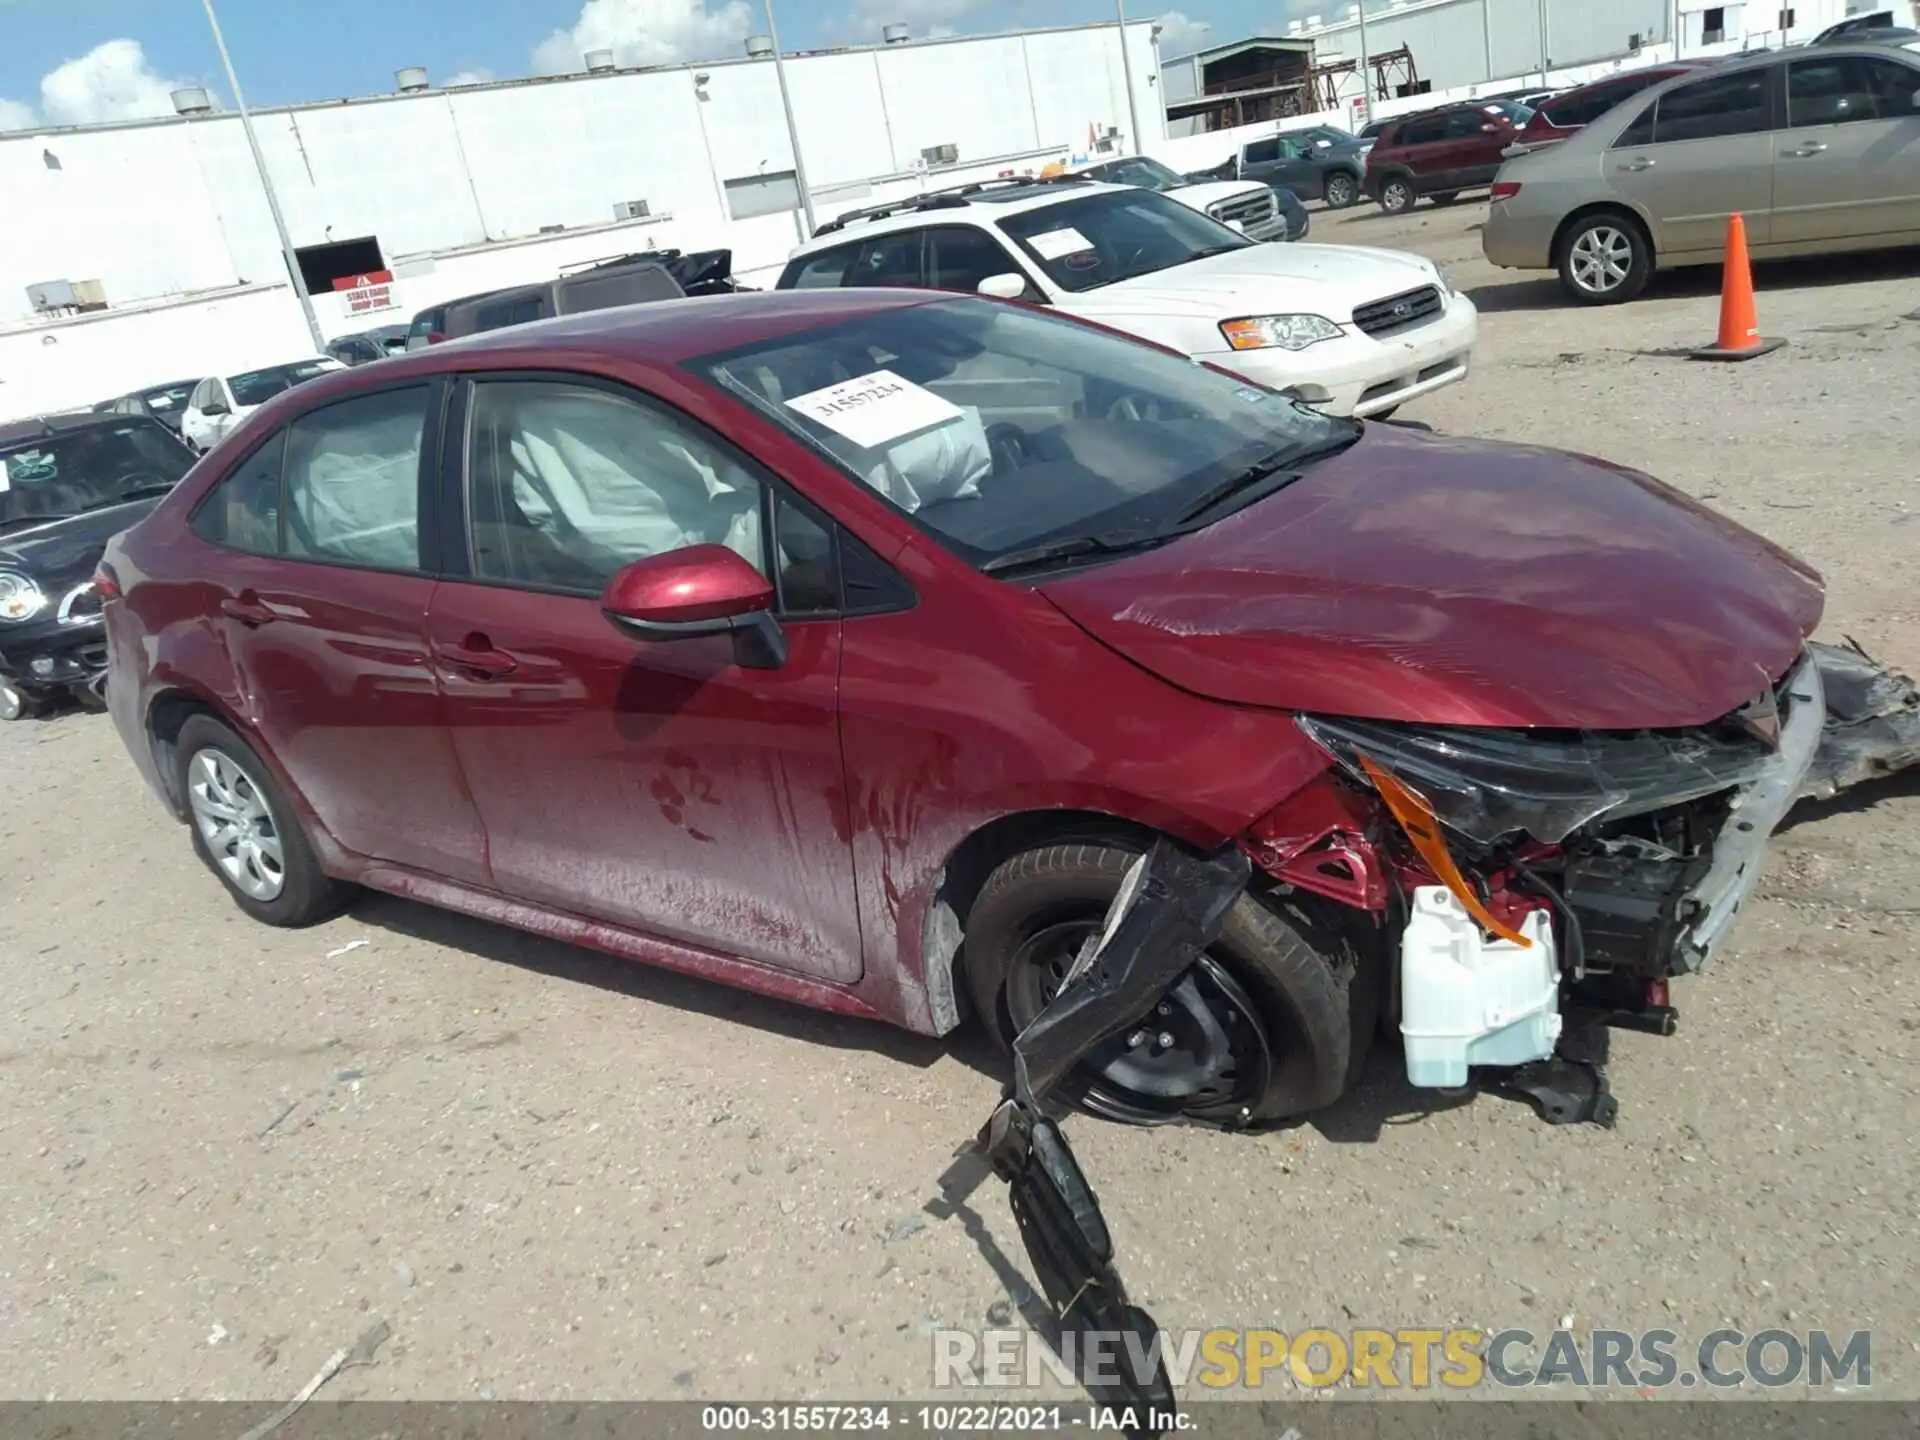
<point>1466,1000</point>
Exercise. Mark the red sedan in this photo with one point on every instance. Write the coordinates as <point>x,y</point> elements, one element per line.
<point>847,645</point>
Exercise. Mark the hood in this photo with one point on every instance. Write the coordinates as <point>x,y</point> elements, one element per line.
<point>1461,582</point>
<point>1212,192</point>
<point>65,552</point>
<point>1324,280</point>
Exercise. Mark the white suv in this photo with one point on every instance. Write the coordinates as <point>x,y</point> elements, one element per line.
<point>1354,331</point>
<point>1245,205</point>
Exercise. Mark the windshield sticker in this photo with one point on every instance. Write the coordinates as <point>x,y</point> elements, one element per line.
<point>1252,396</point>
<point>875,409</point>
<point>1057,244</point>
<point>26,467</point>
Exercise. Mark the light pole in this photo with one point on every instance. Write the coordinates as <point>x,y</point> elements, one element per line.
<point>793,135</point>
<point>1366,78</point>
<point>1126,75</point>
<point>1674,25</point>
<point>266,183</point>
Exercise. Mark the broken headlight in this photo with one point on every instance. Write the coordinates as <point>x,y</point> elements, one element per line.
<point>1488,783</point>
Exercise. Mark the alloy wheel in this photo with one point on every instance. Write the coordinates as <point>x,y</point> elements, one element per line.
<point>1601,258</point>
<point>1340,192</point>
<point>237,825</point>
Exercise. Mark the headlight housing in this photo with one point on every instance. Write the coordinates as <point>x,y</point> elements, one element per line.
<point>20,598</point>
<point>1278,332</point>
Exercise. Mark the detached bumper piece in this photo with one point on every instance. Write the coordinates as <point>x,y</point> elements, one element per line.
<point>1169,909</point>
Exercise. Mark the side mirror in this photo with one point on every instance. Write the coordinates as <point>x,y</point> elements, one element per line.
<point>215,407</point>
<point>1006,286</point>
<point>699,590</point>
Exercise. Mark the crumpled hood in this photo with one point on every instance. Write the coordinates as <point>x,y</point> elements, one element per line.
<point>1312,279</point>
<point>1462,582</point>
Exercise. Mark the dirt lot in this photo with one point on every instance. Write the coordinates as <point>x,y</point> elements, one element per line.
<point>224,1149</point>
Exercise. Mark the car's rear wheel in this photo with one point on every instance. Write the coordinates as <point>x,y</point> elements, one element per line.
<point>1396,194</point>
<point>1605,259</point>
<point>1265,1027</point>
<point>245,830</point>
<point>1341,190</point>
<point>1444,197</point>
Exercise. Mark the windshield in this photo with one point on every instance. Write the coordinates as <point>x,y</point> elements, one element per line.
<point>1516,112</point>
<point>65,474</point>
<point>171,397</point>
<point>1001,429</point>
<point>1138,170</point>
<point>1116,235</point>
<point>256,387</point>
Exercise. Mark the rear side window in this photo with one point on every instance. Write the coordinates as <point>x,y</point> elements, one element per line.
<point>1420,132</point>
<point>889,260</point>
<point>1467,123</point>
<point>1583,107</point>
<point>959,257</point>
<point>1710,109</point>
<point>498,316</point>
<point>1260,151</point>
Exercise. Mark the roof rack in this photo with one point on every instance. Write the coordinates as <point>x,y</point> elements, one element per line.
<point>949,197</point>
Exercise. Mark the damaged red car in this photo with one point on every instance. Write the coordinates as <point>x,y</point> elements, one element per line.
<point>849,646</point>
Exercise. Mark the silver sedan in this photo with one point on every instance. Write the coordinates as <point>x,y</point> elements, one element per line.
<point>1817,148</point>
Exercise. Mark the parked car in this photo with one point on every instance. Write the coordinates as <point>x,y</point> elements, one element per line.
<point>1439,153</point>
<point>67,483</point>
<point>794,640</point>
<point>621,280</point>
<point>1355,330</point>
<point>1568,112</point>
<point>220,402</point>
<point>1818,149</point>
<point>367,345</point>
<point>1318,163</point>
<point>1251,208</point>
<point>1856,29</point>
<point>165,403</point>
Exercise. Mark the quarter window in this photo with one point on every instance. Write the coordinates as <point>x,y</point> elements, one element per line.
<point>243,512</point>
<point>351,481</point>
<point>959,257</point>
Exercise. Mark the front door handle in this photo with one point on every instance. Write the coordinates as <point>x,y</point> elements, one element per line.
<point>1812,147</point>
<point>247,609</point>
<point>1640,162</point>
<point>476,657</point>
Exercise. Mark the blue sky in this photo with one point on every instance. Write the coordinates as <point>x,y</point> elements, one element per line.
<point>53,69</point>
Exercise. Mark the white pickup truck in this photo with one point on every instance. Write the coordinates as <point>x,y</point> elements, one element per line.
<point>1247,205</point>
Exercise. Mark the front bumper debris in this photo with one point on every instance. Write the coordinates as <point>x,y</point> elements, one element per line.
<point>1169,909</point>
<point>1873,722</point>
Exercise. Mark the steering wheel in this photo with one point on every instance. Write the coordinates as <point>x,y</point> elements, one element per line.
<point>1138,407</point>
<point>1007,443</point>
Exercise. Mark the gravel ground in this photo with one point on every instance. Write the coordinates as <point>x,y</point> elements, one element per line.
<point>225,1150</point>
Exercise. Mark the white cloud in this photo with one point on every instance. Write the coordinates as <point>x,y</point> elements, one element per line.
<point>1180,34</point>
<point>479,75</point>
<point>646,32</point>
<point>15,116</point>
<point>112,81</point>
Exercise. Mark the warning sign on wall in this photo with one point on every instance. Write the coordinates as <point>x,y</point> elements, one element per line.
<point>365,293</point>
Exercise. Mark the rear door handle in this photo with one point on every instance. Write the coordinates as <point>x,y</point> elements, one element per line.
<point>247,609</point>
<point>1812,147</point>
<point>1639,163</point>
<point>476,657</point>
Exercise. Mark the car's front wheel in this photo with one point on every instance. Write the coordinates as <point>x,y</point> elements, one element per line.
<point>1273,1022</point>
<point>1396,195</point>
<point>245,830</point>
<point>1605,259</point>
<point>1341,190</point>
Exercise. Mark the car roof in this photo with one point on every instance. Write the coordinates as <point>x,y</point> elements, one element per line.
<point>48,427</point>
<point>1012,196</point>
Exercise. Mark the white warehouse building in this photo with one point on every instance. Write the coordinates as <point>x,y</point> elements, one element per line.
<point>144,252</point>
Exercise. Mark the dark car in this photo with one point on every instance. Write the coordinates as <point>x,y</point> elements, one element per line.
<point>1874,26</point>
<point>1286,219</point>
<point>621,280</point>
<point>1318,163</point>
<point>165,402</point>
<point>67,484</point>
<point>1570,111</point>
<point>368,345</point>
<point>1439,153</point>
<point>795,639</point>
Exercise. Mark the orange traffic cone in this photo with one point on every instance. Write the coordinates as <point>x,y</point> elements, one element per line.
<point>1739,321</point>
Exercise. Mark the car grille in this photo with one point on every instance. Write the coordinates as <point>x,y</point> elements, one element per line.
<point>1397,312</point>
<point>1248,210</point>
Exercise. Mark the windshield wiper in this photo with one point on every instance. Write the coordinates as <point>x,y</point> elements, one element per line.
<point>1274,467</point>
<point>1115,542</point>
<point>1206,251</point>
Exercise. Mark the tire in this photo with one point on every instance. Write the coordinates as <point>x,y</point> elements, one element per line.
<point>1396,194</point>
<point>1444,197</point>
<point>1605,259</point>
<point>304,894</point>
<point>1341,190</point>
<point>1295,970</point>
<point>15,703</point>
